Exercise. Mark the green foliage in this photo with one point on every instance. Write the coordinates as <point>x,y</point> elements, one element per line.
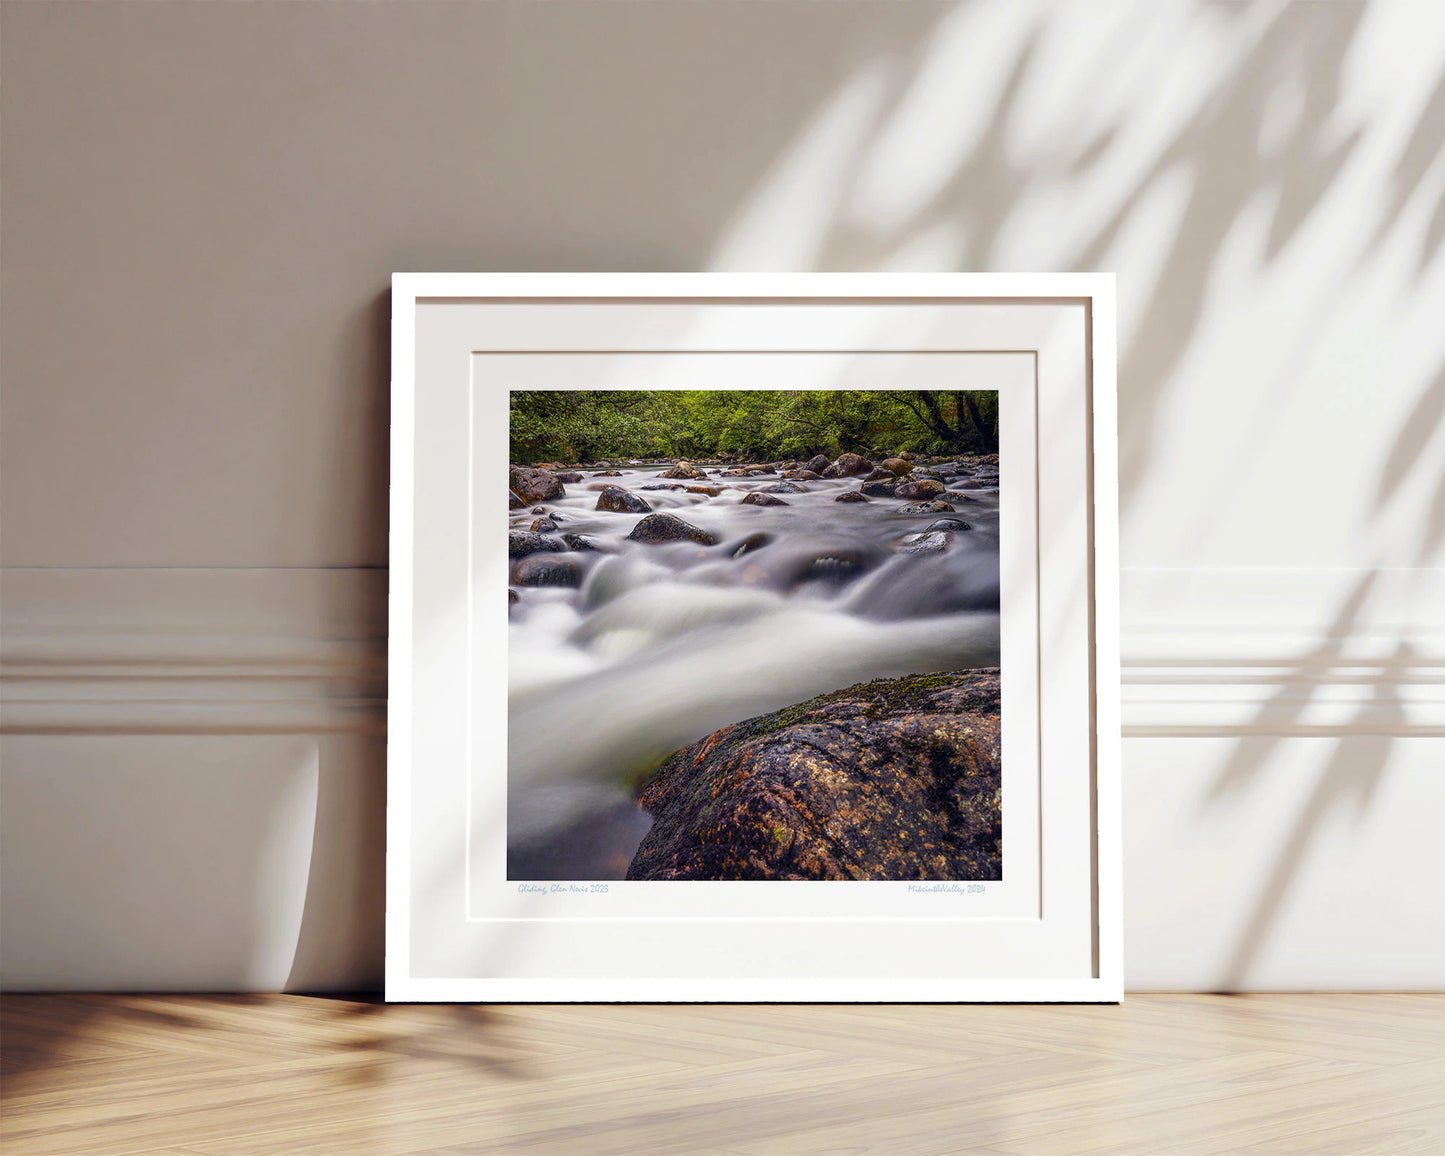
<point>588,425</point>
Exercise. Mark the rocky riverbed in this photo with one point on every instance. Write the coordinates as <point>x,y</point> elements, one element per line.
<point>652,604</point>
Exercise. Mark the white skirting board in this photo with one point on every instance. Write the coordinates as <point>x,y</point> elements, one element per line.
<point>193,778</point>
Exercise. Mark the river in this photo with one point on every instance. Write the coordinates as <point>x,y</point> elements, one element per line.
<point>660,644</point>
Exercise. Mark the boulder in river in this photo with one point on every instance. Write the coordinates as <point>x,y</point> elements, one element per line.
<point>878,489</point>
<point>761,499</point>
<point>888,780</point>
<point>669,528</point>
<point>851,496</point>
<point>662,486</point>
<point>952,525</point>
<point>684,469</point>
<point>817,464</point>
<point>847,465</point>
<point>709,491</point>
<point>543,525</point>
<point>928,542</point>
<point>752,542</point>
<point>801,475</point>
<point>896,465</point>
<point>514,501</point>
<point>579,542</point>
<point>934,507</point>
<point>608,474</point>
<point>546,570</point>
<point>621,501</point>
<point>785,488</point>
<point>520,543</point>
<point>978,484</point>
<point>919,488</point>
<point>569,477</point>
<point>535,485</point>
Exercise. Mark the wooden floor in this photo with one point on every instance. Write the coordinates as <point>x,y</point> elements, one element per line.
<point>293,1074</point>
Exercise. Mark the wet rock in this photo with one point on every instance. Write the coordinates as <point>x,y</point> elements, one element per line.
<point>569,477</point>
<point>850,496</point>
<point>662,486</point>
<point>908,455</point>
<point>579,542</point>
<point>535,485</point>
<point>801,475</point>
<point>896,465</point>
<point>608,474</point>
<point>514,501</point>
<point>750,543</point>
<point>785,488</point>
<point>837,567</point>
<point>543,526</point>
<point>546,570</point>
<point>732,474</point>
<point>759,470</point>
<point>520,543</point>
<point>621,501</point>
<point>710,491</point>
<point>879,474</point>
<point>920,488</point>
<point>798,558</point>
<point>952,525</point>
<point>878,489</point>
<point>934,507</point>
<point>761,499</point>
<point>978,484</point>
<point>684,469</point>
<point>669,528</point>
<point>847,465</point>
<point>935,542</point>
<point>889,780</point>
<point>817,464</point>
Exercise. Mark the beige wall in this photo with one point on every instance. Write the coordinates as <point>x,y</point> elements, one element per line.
<point>202,203</point>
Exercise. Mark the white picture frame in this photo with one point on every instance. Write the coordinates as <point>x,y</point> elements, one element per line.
<point>456,932</point>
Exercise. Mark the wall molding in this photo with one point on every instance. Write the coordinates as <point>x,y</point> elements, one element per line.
<point>1302,651</point>
<point>193,651</point>
<point>1307,652</point>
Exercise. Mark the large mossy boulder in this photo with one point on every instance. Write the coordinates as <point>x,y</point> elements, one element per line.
<point>535,485</point>
<point>888,780</point>
<point>657,528</point>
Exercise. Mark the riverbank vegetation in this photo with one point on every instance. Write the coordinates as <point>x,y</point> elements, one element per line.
<point>591,425</point>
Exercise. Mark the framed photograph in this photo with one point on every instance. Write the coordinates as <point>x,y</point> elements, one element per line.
<point>797,679</point>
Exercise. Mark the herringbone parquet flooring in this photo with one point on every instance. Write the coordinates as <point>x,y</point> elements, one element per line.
<point>1165,1075</point>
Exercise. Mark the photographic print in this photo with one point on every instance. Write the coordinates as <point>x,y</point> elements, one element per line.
<point>753,635</point>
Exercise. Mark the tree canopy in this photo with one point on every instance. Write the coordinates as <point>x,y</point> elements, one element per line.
<point>588,425</point>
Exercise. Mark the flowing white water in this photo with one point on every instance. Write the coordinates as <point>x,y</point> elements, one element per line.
<point>662,644</point>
